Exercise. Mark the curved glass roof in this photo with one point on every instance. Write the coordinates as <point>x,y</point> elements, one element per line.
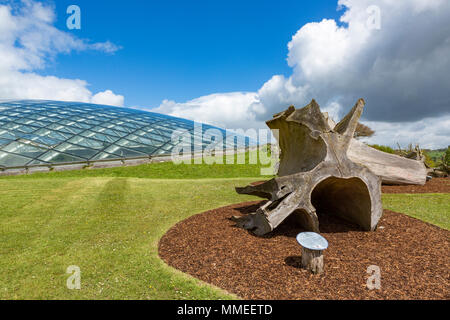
<point>51,132</point>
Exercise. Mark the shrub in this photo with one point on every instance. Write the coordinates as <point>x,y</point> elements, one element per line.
<point>447,156</point>
<point>383,148</point>
<point>428,160</point>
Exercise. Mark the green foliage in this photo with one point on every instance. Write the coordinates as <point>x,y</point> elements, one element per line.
<point>447,156</point>
<point>445,162</point>
<point>383,148</point>
<point>428,160</point>
<point>436,155</point>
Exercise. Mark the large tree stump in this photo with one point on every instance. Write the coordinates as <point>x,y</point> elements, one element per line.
<point>323,169</point>
<point>315,174</point>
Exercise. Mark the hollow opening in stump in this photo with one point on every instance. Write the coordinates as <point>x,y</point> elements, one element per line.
<point>348,199</point>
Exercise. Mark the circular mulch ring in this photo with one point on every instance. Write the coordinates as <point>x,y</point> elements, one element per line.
<point>412,256</point>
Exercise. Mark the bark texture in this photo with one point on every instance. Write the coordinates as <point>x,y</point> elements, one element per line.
<point>393,169</point>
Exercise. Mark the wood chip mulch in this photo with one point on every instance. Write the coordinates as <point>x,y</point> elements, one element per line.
<point>435,185</point>
<point>412,255</point>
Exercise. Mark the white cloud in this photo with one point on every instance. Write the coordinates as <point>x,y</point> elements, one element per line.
<point>108,98</point>
<point>429,133</point>
<point>28,41</point>
<point>235,109</point>
<point>401,70</point>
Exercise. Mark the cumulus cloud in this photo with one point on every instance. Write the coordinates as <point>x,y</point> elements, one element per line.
<point>28,42</point>
<point>401,69</point>
<point>234,108</point>
<point>108,98</point>
<point>431,133</point>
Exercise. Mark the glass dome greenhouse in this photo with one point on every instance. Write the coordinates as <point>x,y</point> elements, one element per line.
<point>34,133</point>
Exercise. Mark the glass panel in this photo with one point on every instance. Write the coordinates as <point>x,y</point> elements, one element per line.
<point>159,152</point>
<point>25,121</point>
<point>11,126</point>
<point>60,136</point>
<point>23,149</point>
<point>37,162</point>
<point>151,136</point>
<point>62,128</point>
<point>89,143</point>
<point>124,152</point>
<point>12,160</point>
<point>168,147</point>
<point>85,153</point>
<point>99,136</point>
<point>56,157</point>
<point>7,135</point>
<point>150,142</point>
<point>4,142</point>
<point>109,132</point>
<point>27,129</point>
<point>46,142</point>
<point>77,124</point>
<point>104,156</point>
<point>147,150</point>
<point>123,128</point>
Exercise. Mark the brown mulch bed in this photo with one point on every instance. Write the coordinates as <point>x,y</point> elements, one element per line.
<point>435,185</point>
<point>412,255</point>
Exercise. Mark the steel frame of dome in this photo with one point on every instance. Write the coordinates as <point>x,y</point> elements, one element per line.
<point>40,133</point>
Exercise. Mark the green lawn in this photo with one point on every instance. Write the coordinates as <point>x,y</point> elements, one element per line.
<point>109,225</point>
<point>168,170</point>
<point>432,208</point>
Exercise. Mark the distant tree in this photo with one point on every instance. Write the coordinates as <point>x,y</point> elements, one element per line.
<point>447,156</point>
<point>363,131</point>
<point>445,163</point>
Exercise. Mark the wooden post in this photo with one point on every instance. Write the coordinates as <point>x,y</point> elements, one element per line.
<point>312,260</point>
<point>313,245</point>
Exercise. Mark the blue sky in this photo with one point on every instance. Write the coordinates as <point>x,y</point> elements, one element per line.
<point>236,63</point>
<point>180,50</point>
